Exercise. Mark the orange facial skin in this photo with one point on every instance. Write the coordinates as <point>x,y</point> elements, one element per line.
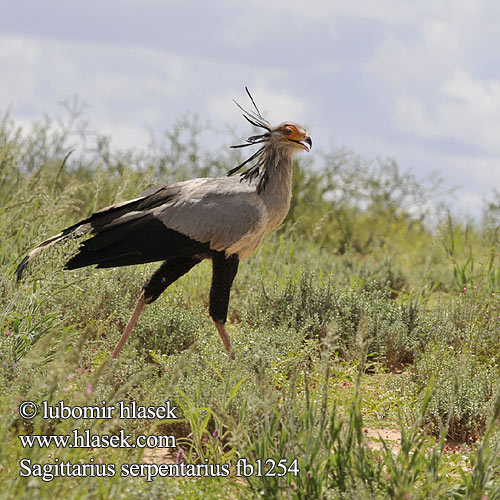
<point>296,135</point>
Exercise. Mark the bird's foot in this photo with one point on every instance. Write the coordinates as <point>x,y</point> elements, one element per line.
<point>225,338</point>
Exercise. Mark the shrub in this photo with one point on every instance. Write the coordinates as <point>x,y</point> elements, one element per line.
<point>463,391</point>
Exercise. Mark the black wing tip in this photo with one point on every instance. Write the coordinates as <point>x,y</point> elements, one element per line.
<point>21,267</point>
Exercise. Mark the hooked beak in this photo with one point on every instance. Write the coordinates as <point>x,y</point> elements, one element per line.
<point>303,142</point>
<point>309,141</point>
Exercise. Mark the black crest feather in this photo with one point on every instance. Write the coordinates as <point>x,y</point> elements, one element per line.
<point>254,117</point>
<point>257,120</point>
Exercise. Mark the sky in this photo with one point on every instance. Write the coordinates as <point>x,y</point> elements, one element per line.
<point>417,81</point>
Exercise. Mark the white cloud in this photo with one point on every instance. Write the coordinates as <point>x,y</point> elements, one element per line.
<point>125,87</point>
<point>468,110</point>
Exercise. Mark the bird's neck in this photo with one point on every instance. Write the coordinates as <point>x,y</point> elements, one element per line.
<point>278,168</point>
<point>277,192</point>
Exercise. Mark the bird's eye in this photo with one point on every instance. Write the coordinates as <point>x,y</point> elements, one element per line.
<point>288,131</point>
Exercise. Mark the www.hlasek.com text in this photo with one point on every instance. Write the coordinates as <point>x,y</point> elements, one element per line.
<point>85,439</point>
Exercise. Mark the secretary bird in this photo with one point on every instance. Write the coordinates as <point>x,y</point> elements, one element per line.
<point>223,219</point>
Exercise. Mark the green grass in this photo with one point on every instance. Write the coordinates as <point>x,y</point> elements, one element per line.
<point>357,316</point>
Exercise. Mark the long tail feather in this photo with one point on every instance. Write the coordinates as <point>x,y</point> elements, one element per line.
<point>98,219</point>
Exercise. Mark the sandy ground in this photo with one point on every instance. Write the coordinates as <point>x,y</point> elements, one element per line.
<point>374,438</point>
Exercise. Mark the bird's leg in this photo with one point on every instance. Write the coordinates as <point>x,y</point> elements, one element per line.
<point>223,272</point>
<point>141,304</point>
<point>165,275</point>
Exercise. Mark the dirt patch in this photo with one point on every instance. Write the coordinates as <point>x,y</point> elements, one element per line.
<point>392,438</point>
<point>159,456</point>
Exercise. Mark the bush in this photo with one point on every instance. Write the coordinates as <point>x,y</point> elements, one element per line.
<point>323,309</point>
<point>464,391</point>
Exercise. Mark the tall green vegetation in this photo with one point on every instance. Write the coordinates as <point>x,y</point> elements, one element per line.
<point>371,308</point>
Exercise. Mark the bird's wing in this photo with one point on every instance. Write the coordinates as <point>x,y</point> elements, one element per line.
<point>219,211</point>
<point>184,219</point>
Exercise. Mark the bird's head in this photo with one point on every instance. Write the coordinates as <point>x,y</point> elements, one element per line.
<point>287,137</point>
<point>291,136</point>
